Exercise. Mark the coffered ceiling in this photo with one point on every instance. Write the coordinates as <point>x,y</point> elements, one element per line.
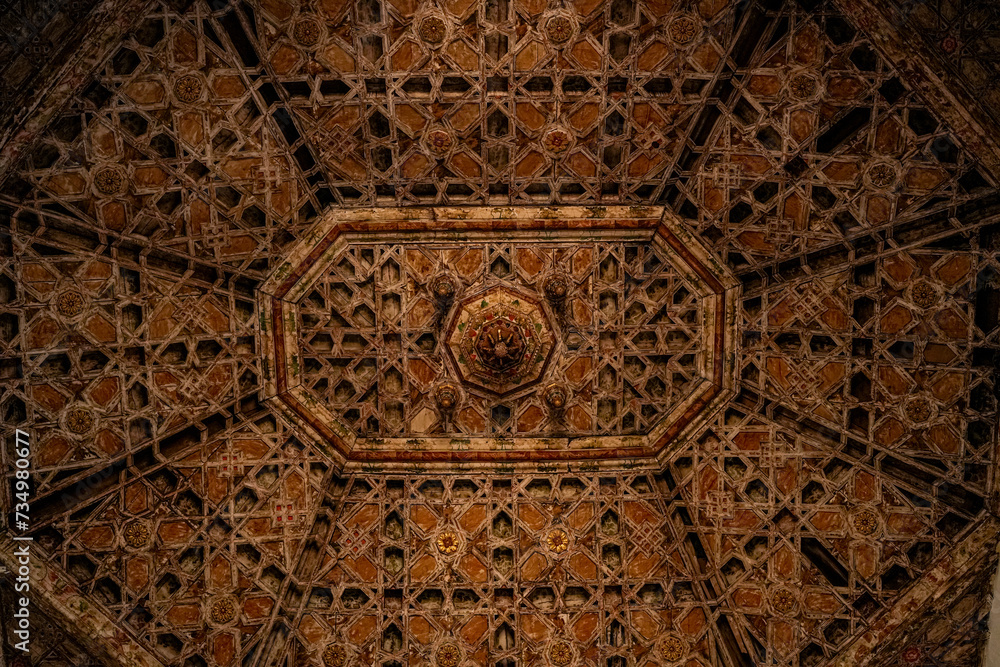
<point>493,332</point>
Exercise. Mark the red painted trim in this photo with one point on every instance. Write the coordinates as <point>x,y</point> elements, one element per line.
<point>677,246</point>
<point>502,456</point>
<point>689,415</point>
<point>309,260</point>
<point>719,342</point>
<point>327,433</point>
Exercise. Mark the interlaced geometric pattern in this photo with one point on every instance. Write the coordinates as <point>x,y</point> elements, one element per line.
<point>838,509</point>
<point>386,591</point>
<point>630,337</point>
<point>959,35</point>
<point>621,93</point>
<point>38,36</point>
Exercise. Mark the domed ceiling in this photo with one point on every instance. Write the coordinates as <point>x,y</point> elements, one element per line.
<point>502,332</point>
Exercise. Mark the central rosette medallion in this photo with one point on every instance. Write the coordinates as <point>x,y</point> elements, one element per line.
<point>500,340</point>
<point>501,343</point>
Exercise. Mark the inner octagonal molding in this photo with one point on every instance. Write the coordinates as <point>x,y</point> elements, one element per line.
<point>499,336</point>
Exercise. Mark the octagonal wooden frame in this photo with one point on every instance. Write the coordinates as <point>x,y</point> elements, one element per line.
<point>294,277</point>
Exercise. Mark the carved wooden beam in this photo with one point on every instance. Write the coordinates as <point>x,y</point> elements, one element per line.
<point>923,70</point>
<point>104,29</point>
<point>54,592</point>
<point>935,583</point>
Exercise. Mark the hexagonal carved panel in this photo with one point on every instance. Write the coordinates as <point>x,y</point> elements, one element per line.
<point>497,335</point>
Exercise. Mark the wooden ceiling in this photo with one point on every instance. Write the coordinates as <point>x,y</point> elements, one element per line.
<point>838,159</point>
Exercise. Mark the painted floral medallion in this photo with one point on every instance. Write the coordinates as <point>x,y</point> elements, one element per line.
<point>500,340</point>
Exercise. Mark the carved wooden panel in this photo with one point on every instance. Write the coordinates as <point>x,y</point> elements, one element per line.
<point>837,506</point>
<point>467,337</point>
